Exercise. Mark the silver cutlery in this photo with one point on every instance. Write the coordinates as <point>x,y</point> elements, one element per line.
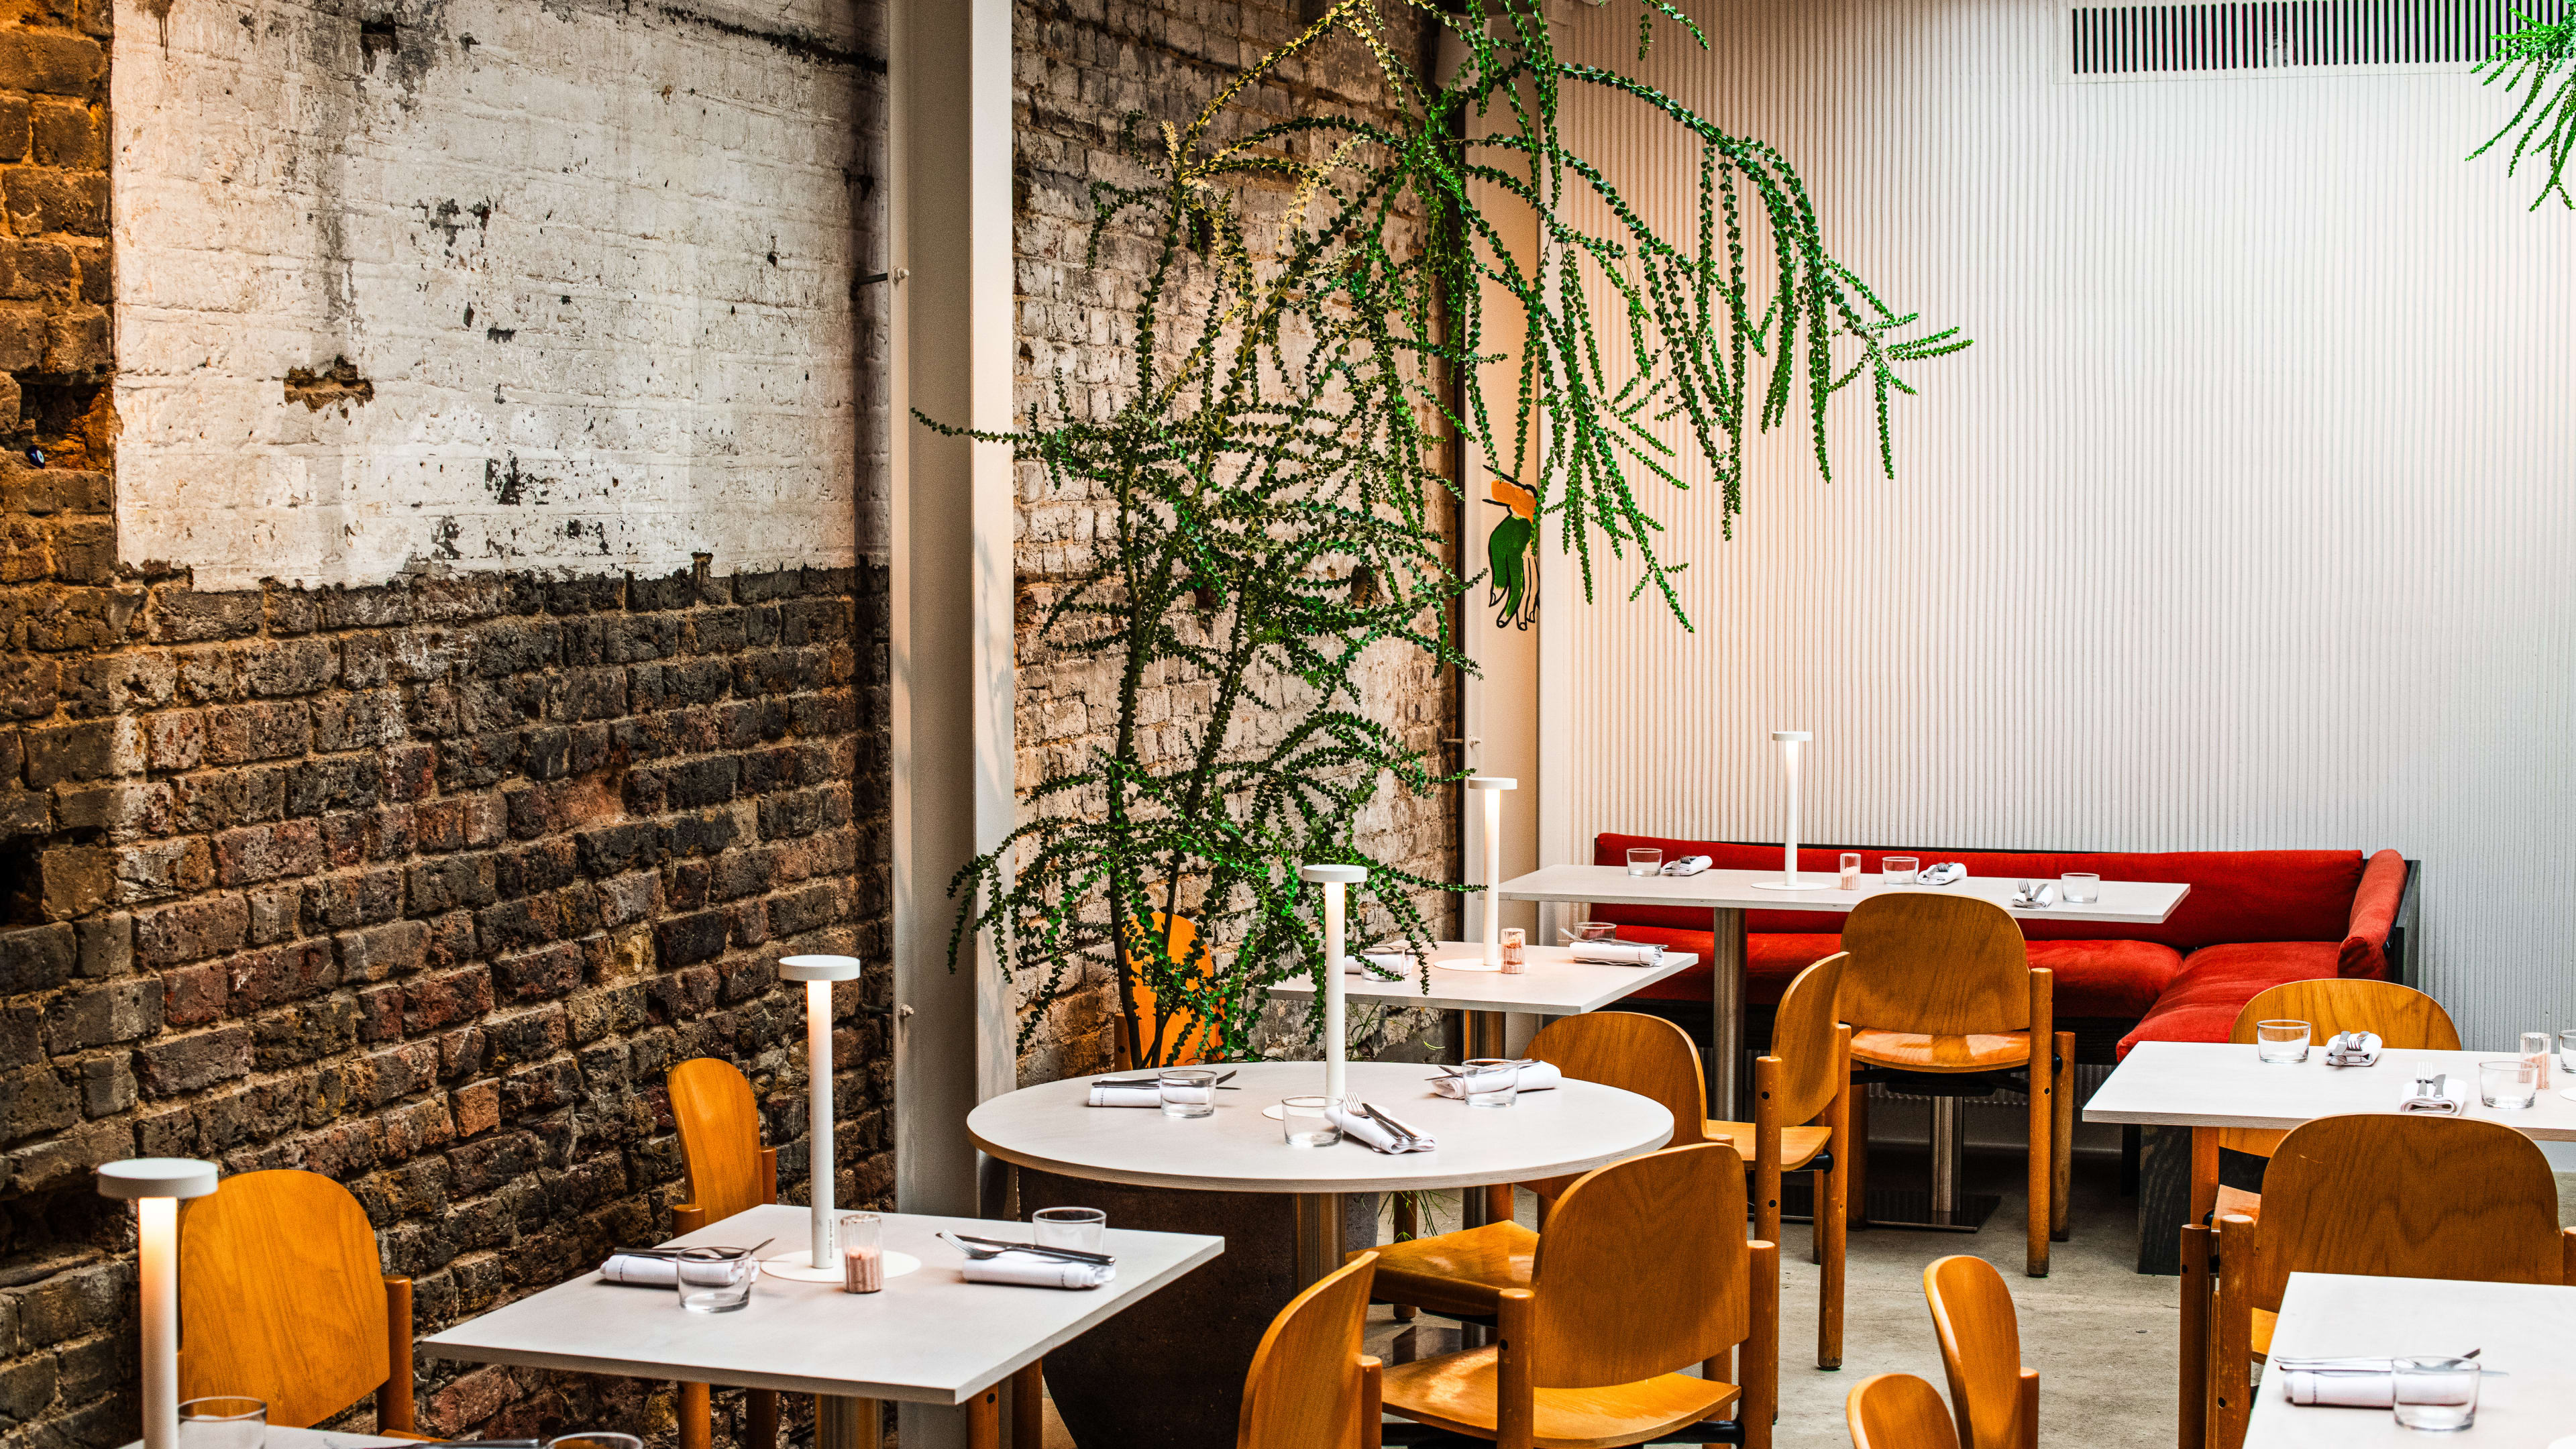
<point>1392,1125</point>
<point>981,1248</point>
<point>1153,1082</point>
<point>1446,1070</point>
<point>699,1251</point>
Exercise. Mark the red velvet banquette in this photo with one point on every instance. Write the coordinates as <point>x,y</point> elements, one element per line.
<point>2254,919</point>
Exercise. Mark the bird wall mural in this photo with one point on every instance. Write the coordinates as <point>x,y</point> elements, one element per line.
<point>1512,552</point>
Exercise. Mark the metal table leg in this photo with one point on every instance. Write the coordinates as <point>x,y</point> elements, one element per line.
<point>1726,1011</point>
<point>1319,1236</point>
<point>843,1423</point>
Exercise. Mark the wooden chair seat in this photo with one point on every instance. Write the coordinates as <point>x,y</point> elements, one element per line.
<point>1916,1052</point>
<point>1458,1392</point>
<point>2237,1200</point>
<point>1798,1145</point>
<point>1458,1273</point>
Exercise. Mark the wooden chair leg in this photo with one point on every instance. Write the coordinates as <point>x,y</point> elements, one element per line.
<point>1833,1189</point>
<point>697,1417</point>
<point>2061,1141</point>
<point>393,1398</point>
<point>1856,1178</point>
<point>2029,1413</point>
<point>2231,1355</point>
<point>1762,1349</point>
<point>1372,1405</point>
<point>984,1419</point>
<point>2191,1414</point>
<point>1766,1148</point>
<point>2567,1256</point>
<point>760,1416</point>
<point>1498,1202</point>
<point>1028,1407</point>
<point>1515,1393</point>
<point>2042,1116</point>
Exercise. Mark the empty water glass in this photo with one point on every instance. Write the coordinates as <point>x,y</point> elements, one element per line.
<point>2567,1055</point>
<point>1186,1091</point>
<point>1645,860</point>
<point>715,1280</point>
<point>1078,1228</point>
<point>2436,1394</point>
<point>224,1421</point>
<point>2507,1084</point>
<point>1595,930</point>
<point>2080,888</point>
<point>2281,1041</point>
<point>1489,1082</point>
<point>1303,1121</point>
<point>1899,869</point>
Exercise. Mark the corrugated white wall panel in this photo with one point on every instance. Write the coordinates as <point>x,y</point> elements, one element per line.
<point>2245,524</point>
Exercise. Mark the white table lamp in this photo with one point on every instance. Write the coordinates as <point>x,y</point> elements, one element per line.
<point>156,1186</point>
<point>1492,788</point>
<point>1334,879</point>
<point>1789,881</point>
<point>821,1262</point>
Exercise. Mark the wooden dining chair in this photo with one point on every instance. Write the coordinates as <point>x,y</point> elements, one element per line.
<point>729,1172</point>
<point>2400,1016</point>
<point>1994,1400</point>
<point>1898,1411</point>
<point>283,1298</point>
<point>1942,985</point>
<point>1628,1291</point>
<point>1311,1386</point>
<point>2379,1195</point>
<point>1801,1123</point>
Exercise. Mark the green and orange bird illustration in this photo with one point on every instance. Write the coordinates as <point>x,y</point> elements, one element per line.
<point>1512,551</point>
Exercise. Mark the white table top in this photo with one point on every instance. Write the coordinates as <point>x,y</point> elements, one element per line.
<point>1573,1128</point>
<point>1554,985</point>
<point>2528,1331</point>
<point>2125,902</point>
<point>2214,1084</point>
<point>930,1337</point>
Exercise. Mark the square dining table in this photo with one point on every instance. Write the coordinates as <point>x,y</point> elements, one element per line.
<point>1727,894</point>
<point>2527,1332</point>
<point>930,1337</point>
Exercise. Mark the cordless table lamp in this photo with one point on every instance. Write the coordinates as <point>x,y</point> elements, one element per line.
<point>1492,788</point>
<point>821,1262</point>
<point>1789,881</point>
<point>156,1186</point>
<point>1334,879</point>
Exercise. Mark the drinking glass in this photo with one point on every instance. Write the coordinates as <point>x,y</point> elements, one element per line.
<point>591,1440</point>
<point>1489,1082</point>
<point>1645,860</point>
<point>2535,1050</point>
<point>862,1253</point>
<point>223,1422</point>
<point>1077,1228</point>
<point>1187,1091</point>
<point>1515,945</point>
<point>1850,872</point>
<point>1304,1122</point>
<point>2436,1394</point>
<point>715,1280</point>
<point>2080,888</point>
<point>1595,930</point>
<point>2507,1084</point>
<point>2281,1041</point>
<point>1899,869</point>
<point>2567,1054</point>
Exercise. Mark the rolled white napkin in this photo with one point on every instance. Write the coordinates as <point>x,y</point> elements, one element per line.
<point>639,1270</point>
<point>1535,1077</point>
<point>1126,1096</point>
<point>2455,1087</point>
<point>1363,1128</point>
<point>1619,953</point>
<point>1688,865</point>
<point>1035,1270</point>
<point>2351,1389</point>
<point>1390,965</point>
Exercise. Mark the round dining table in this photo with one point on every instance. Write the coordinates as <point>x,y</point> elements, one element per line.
<point>1222,1171</point>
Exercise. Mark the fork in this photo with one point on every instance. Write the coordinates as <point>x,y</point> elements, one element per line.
<point>982,1248</point>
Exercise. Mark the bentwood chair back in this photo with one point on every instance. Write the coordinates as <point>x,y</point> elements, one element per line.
<point>1311,1387</point>
<point>1634,1052</point>
<point>1637,1278</point>
<point>282,1297</point>
<point>729,1172</point>
<point>1943,984</point>
<point>1994,1401</point>
<point>1898,1411</point>
<point>2400,1016</point>
<point>1180,1037</point>
<point>2378,1195</point>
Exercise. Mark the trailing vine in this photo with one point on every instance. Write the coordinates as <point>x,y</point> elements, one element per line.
<point>2540,61</point>
<point>1278,505</point>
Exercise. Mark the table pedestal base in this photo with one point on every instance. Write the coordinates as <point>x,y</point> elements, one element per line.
<point>1319,1236</point>
<point>841,1423</point>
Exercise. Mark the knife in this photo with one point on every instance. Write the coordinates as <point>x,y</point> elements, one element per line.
<point>1392,1125</point>
<point>1074,1254</point>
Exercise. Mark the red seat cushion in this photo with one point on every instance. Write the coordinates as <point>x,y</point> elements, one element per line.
<point>2117,979</point>
<point>2202,1002</point>
<point>2374,911</point>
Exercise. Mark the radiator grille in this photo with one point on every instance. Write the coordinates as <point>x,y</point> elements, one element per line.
<point>2145,40</point>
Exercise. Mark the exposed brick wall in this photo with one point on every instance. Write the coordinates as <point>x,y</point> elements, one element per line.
<point>420,885</point>
<point>1082,65</point>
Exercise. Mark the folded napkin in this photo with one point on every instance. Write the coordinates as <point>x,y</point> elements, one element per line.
<point>1688,865</point>
<point>1126,1096</point>
<point>1535,1077</point>
<point>1036,1270</point>
<point>640,1270</point>
<point>2353,1049</point>
<point>1383,965</point>
<point>2354,1388</point>
<point>1363,1129</point>
<point>2454,1086</point>
<point>1619,953</point>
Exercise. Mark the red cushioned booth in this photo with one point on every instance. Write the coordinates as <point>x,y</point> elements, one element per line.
<point>2253,919</point>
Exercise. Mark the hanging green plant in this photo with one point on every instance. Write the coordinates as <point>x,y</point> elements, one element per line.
<point>2540,61</point>
<point>1277,511</point>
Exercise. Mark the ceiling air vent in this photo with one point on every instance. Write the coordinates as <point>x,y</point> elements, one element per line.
<point>2136,42</point>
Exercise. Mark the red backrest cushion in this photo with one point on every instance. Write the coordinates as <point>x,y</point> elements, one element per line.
<point>2236,895</point>
<point>2374,910</point>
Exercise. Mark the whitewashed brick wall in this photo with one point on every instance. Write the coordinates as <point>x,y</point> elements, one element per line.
<point>595,261</point>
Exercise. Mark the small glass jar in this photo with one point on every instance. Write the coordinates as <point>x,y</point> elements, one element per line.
<point>862,1253</point>
<point>1489,1082</point>
<point>2079,888</point>
<point>1645,860</point>
<point>2507,1084</point>
<point>1515,951</point>
<point>1186,1091</point>
<point>1305,1122</point>
<point>1850,879</point>
<point>2535,1050</point>
<point>1595,930</point>
<point>2436,1394</point>
<point>1899,869</point>
<point>715,1280</point>
<point>2280,1042</point>
<point>1078,1228</point>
